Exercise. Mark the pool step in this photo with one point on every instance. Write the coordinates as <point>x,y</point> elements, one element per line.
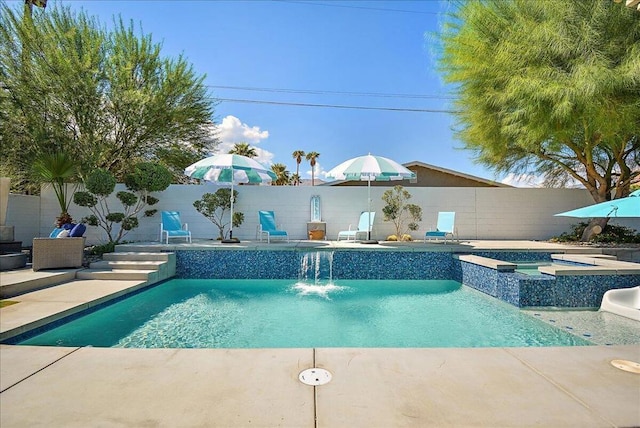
<point>148,267</point>
<point>134,256</point>
<point>127,264</point>
<point>150,276</point>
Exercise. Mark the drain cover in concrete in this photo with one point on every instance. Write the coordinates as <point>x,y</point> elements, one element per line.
<point>315,376</point>
<point>627,366</point>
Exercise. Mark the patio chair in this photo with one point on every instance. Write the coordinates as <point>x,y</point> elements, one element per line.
<point>268,227</point>
<point>172,227</point>
<point>445,227</point>
<point>363,227</point>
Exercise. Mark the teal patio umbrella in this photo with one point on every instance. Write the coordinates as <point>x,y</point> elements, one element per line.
<point>370,168</point>
<point>230,169</point>
<point>617,208</point>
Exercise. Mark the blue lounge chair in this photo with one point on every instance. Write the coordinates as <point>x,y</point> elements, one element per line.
<point>172,227</point>
<point>268,227</point>
<point>444,228</point>
<point>363,227</point>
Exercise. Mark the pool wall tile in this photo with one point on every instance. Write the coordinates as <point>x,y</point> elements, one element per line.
<point>391,265</point>
<point>480,277</point>
<point>575,291</point>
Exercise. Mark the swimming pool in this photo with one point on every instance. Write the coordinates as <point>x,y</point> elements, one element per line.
<point>280,313</point>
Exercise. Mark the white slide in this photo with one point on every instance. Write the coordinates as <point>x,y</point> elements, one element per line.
<point>622,301</point>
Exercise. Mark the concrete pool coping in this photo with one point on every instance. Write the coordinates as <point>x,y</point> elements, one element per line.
<point>569,386</point>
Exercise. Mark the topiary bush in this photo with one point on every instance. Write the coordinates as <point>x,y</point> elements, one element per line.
<point>403,214</point>
<point>145,178</point>
<point>214,205</point>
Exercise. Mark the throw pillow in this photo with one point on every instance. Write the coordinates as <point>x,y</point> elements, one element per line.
<point>78,231</point>
<point>63,234</point>
<point>55,232</point>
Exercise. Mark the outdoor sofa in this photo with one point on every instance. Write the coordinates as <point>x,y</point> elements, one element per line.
<point>57,253</point>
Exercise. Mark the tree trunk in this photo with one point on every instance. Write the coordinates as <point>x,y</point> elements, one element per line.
<point>595,227</point>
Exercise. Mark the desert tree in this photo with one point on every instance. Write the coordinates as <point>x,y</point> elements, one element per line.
<point>548,88</point>
<point>109,97</point>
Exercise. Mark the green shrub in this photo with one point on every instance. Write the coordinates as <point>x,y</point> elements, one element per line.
<point>146,177</point>
<point>612,233</point>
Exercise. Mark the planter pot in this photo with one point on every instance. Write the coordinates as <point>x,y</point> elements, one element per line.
<point>11,261</point>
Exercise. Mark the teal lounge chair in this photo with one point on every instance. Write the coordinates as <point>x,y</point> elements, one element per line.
<point>268,227</point>
<point>172,227</point>
<point>444,228</point>
<point>363,227</point>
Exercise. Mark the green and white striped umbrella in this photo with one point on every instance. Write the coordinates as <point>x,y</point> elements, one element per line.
<point>230,169</point>
<point>370,168</point>
<point>219,168</point>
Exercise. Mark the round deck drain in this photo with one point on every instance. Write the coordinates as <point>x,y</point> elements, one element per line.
<point>627,366</point>
<point>315,376</point>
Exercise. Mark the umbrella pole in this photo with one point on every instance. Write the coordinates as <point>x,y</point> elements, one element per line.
<point>369,240</point>
<point>231,223</point>
<point>231,240</point>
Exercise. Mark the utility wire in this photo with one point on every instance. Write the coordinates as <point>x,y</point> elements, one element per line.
<point>325,92</point>
<point>416,110</point>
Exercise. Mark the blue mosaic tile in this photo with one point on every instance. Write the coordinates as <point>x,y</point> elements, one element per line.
<point>512,287</point>
<point>480,277</point>
<point>537,291</point>
<point>392,265</point>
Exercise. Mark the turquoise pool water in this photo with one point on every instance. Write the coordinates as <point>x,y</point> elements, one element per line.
<point>188,313</point>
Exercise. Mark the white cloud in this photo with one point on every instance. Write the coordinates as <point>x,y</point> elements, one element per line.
<point>523,180</point>
<point>232,131</point>
<point>318,171</point>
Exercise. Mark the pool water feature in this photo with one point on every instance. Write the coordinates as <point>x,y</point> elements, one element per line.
<point>316,267</point>
<point>187,313</point>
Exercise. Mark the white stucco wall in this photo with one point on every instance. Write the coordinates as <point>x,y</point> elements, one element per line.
<point>23,213</point>
<point>481,213</point>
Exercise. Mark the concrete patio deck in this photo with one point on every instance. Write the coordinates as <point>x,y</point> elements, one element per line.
<point>380,387</point>
<point>487,387</point>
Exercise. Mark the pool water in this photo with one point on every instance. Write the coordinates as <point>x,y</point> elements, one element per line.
<point>188,313</point>
<point>531,268</point>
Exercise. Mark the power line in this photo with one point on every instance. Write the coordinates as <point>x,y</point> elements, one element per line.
<point>326,92</point>
<point>416,110</point>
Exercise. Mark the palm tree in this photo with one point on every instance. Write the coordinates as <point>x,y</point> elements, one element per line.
<point>243,149</point>
<point>58,169</point>
<point>298,155</point>
<point>282,175</point>
<point>295,179</point>
<point>311,157</point>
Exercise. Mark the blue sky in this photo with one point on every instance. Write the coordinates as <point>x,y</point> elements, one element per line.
<point>337,53</point>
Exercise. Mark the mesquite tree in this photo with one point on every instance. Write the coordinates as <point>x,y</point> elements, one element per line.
<point>549,88</point>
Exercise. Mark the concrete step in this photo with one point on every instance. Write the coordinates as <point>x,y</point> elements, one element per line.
<point>118,274</point>
<point>153,247</point>
<point>15,283</point>
<point>135,256</point>
<point>127,264</point>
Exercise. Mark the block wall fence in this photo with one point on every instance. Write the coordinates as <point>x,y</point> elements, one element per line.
<point>481,213</point>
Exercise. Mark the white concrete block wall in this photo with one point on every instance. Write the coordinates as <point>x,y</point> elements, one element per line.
<point>481,213</point>
<point>23,214</point>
